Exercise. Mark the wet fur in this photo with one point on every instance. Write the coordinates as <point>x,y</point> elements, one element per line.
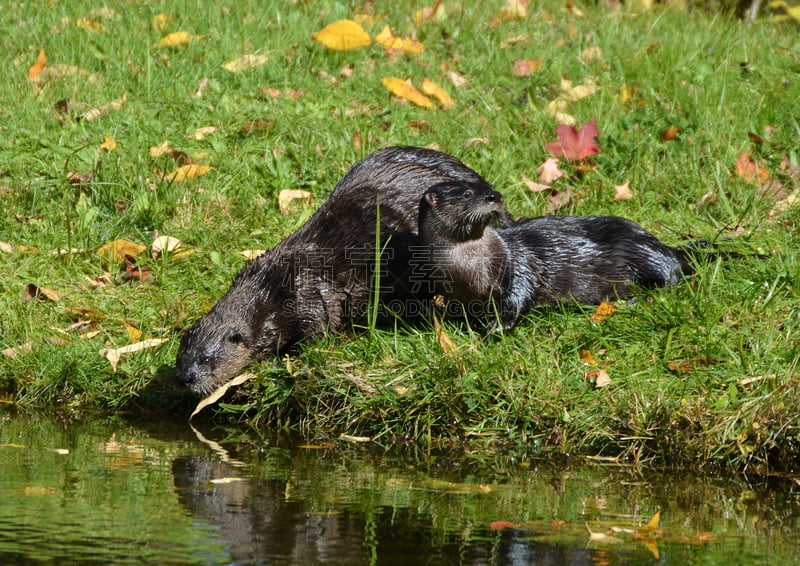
<point>542,260</point>
<point>318,278</point>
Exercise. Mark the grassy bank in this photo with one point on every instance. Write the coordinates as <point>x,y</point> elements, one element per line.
<point>703,372</point>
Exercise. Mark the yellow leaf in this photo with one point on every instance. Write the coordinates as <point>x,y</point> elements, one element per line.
<point>245,62</point>
<point>402,89</point>
<point>163,245</point>
<point>366,19</point>
<point>390,41</point>
<point>37,67</point>
<point>188,172</point>
<point>133,333</point>
<point>217,394</point>
<point>177,38</point>
<point>343,35</point>
<point>603,311</point>
<point>432,89</point>
<point>115,355</point>
<point>161,149</point>
<point>652,525</point>
<point>109,144</point>
<point>90,25</point>
<point>161,21</point>
<point>121,248</point>
<point>286,196</point>
<point>201,133</point>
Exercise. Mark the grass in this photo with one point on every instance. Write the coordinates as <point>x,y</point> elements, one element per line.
<point>706,372</point>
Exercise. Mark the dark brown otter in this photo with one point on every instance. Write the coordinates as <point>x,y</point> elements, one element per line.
<point>319,278</point>
<point>536,261</point>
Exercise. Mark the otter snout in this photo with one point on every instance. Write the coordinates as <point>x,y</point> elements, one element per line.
<point>192,375</point>
<point>494,196</point>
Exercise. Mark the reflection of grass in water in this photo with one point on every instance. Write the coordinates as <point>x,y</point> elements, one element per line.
<point>730,396</point>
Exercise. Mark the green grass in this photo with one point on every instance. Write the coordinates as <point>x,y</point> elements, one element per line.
<point>736,325</point>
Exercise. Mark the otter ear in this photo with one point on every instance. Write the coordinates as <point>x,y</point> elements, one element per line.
<point>431,198</point>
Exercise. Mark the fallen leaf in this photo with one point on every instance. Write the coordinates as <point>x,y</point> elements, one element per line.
<point>459,80</point>
<point>109,144</point>
<point>599,377</point>
<point>437,11</point>
<point>602,538</point>
<point>569,94</point>
<point>114,355</point>
<point>499,525</point>
<point>575,145</point>
<point>354,439</point>
<point>134,334</point>
<point>160,22</point>
<point>343,35</point>
<point>549,171</point>
<point>514,39</point>
<point>526,67</point>
<point>245,62</point>
<point>670,134</point>
<point>120,249</point>
<point>42,293</point>
<point>286,196</point>
<point>404,90</point>
<point>593,54</point>
<point>14,353</point>
<point>558,200</point>
<point>178,38</point>
<point>534,186</point>
<point>163,245</point>
<point>757,174</point>
<point>386,39</point>
<point>574,10</point>
<point>90,25</point>
<point>133,271</point>
<point>6,248</point>
<point>200,133</point>
<point>603,311</point>
<point>188,172</point>
<point>587,358</point>
<point>220,391</point>
<point>95,113</point>
<point>652,525</point>
<point>37,67</point>
<point>432,89</point>
<point>79,179</point>
<point>623,191</point>
<point>252,254</point>
<point>512,9</point>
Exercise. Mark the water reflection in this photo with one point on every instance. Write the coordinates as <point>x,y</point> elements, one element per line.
<point>117,493</point>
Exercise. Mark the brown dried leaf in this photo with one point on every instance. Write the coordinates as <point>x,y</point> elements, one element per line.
<point>549,171</point>
<point>558,200</point>
<point>526,67</point>
<point>623,191</point>
<point>95,113</point>
<point>287,196</point>
<point>245,63</point>
<point>16,351</point>
<point>534,186</point>
<point>42,293</point>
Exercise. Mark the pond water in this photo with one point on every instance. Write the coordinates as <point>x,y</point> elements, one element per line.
<point>112,492</point>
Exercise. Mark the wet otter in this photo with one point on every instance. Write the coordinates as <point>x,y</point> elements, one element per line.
<point>535,261</point>
<point>319,277</point>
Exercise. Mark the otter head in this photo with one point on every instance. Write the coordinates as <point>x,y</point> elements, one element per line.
<point>212,351</point>
<point>458,211</point>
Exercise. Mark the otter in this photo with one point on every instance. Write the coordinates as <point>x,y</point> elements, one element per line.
<point>535,261</point>
<point>320,277</point>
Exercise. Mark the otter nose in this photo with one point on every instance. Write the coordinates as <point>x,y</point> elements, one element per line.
<point>494,196</point>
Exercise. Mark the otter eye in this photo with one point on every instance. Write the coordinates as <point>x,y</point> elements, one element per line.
<point>236,338</point>
<point>205,360</point>
<point>467,194</point>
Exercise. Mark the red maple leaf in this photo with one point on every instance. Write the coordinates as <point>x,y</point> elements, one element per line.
<point>575,145</point>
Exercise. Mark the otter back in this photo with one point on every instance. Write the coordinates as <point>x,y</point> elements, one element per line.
<point>319,277</point>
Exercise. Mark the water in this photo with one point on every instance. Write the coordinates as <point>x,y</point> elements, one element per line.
<point>110,492</point>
